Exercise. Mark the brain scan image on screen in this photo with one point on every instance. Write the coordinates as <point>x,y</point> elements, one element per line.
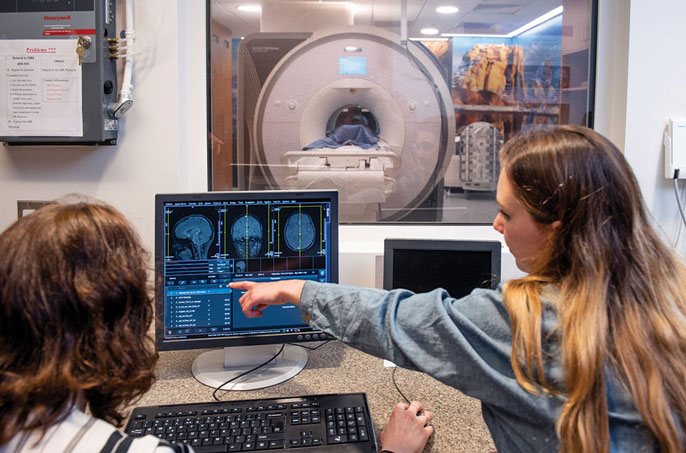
<point>299,231</point>
<point>247,236</point>
<point>193,235</point>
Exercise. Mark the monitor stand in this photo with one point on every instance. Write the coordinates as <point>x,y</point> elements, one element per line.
<point>214,368</point>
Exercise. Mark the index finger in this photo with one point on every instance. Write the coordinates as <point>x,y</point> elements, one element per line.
<point>244,284</point>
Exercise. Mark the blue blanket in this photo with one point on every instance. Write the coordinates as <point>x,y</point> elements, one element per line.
<point>347,134</point>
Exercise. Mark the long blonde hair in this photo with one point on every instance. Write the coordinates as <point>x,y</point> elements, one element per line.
<point>622,292</point>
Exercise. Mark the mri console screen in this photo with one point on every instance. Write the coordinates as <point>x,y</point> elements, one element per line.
<point>209,244</point>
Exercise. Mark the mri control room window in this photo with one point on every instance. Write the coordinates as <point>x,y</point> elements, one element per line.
<point>400,106</point>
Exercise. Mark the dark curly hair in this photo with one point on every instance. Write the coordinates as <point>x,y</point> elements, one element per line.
<point>75,312</point>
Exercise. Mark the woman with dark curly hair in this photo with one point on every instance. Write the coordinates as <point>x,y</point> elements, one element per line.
<point>75,309</point>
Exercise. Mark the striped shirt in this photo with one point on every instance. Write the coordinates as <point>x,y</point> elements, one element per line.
<point>82,433</point>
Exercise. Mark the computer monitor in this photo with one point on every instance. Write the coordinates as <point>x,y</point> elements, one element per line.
<point>203,241</point>
<point>422,265</point>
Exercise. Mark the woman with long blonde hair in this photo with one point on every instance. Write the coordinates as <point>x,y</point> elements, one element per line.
<point>621,293</point>
<point>586,353</point>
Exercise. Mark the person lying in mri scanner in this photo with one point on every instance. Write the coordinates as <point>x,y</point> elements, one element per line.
<point>352,127</point>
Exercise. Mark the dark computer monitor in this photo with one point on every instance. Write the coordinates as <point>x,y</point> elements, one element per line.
<point>422,265</point>
<point>203,241</point>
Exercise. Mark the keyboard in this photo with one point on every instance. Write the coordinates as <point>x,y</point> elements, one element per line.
<point>314,423</point>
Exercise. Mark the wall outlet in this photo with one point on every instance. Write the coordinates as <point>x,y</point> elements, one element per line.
<point>26,207</point>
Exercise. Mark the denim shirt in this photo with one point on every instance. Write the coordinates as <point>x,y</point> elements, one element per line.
<point>466,343</point>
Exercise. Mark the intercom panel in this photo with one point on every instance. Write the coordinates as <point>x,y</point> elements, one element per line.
<point>57,72</point>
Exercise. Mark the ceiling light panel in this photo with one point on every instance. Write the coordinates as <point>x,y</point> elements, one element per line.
<point>447,9</point>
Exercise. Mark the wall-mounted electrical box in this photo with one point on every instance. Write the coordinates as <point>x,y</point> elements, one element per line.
<point>57,72</point>
<point>26,207</point>
<point>675,148</point>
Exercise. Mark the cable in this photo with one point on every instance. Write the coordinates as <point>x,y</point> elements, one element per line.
<point>214,394</point>
<point>676,193</point>
<point>677,234</point>
<point>309,348</point>
<point>396,385</point>
<point>431,439</point>
<point>125,99</point>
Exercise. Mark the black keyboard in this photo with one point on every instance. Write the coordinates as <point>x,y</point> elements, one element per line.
<point>314,423</point>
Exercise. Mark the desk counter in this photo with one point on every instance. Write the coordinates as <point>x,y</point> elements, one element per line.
<point>337,368</point>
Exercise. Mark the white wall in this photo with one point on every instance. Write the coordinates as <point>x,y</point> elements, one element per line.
<point>162,145</point>
<point>158,149</point>
<point>640,85</point>
<point>656,90</point>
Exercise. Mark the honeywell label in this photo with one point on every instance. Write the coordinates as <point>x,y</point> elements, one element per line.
<point>40,88</point>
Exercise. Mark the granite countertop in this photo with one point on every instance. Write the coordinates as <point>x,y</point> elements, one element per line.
<point>337,368</point>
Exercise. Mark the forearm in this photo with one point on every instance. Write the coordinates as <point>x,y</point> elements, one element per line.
<point>430,332</point>
<point>290,291</point>
<point>356,316</point>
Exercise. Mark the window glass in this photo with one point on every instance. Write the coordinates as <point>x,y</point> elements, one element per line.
<point>403,110</point>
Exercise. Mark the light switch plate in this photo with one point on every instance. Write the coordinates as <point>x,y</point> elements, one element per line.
<point>26,207</point>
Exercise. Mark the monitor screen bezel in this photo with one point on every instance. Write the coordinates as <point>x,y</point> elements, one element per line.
<point>238,340</point>
<point>454,245</point>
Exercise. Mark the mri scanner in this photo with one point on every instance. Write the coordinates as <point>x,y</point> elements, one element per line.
<point>295,88</point>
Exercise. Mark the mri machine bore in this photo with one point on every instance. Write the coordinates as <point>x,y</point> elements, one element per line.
<point>296,94</point>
